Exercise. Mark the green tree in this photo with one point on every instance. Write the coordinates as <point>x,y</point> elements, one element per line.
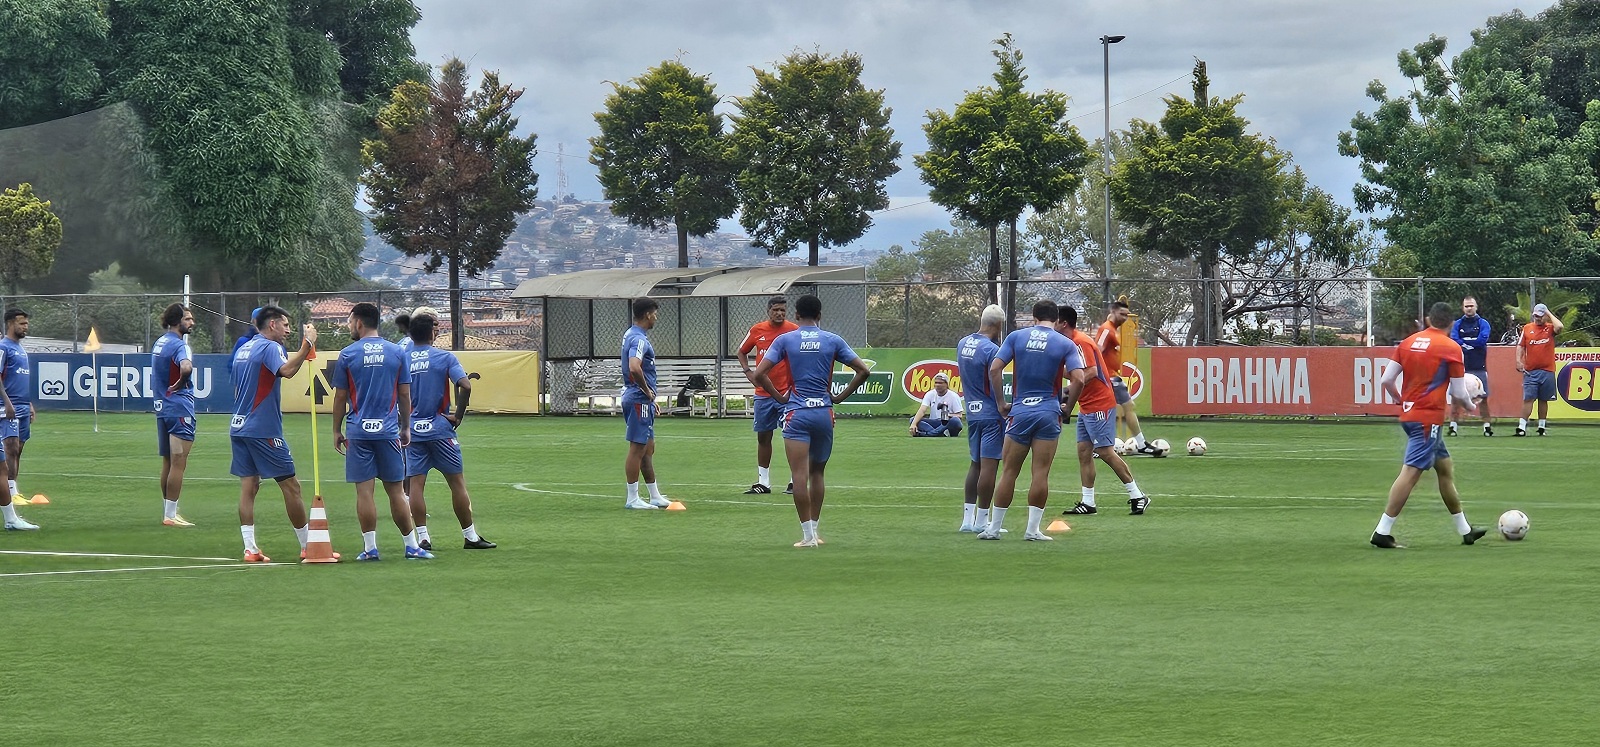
<point>29,235</point>
<point>1470,172</point>
<point>815,147</point>
<point>1199,185</point>
<point>929,297</point>
<point>1004,150</point>
<point>663,156</point>
<point>447,175</point>
<point>1567,305</point>
<point>52,52</point>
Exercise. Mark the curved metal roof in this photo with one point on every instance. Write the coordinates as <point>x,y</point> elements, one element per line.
<point>616,283</point>
<point>766,281</point>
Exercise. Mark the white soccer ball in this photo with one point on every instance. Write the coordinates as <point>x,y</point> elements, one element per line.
<point>1161,446</point>
<point>1197,446</point>
<point>1514,525</point>
<point>1120,447</point>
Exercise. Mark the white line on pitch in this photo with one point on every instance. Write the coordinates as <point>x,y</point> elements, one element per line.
<point>136,570</point>
<point>109,555</point>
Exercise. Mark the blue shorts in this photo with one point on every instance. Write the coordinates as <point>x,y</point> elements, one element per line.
<point>267,458</point>
<point>768,413</point>
<point>20,426</point>
<point>813,425</point>
<point>1424,445</point>
<point>366,459</point>
<point>1041,422</point>
<point>1483,378</point>
<point>1098,428</point>
<point>641,421</point>
<point>1119,389</point>
<point>1537,384</point>
<point>443,454</point>
<point>985,439</point>
<point>181,428</point>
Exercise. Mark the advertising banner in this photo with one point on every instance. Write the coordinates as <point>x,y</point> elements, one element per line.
<point>901,376</point>
<point>503,381</point>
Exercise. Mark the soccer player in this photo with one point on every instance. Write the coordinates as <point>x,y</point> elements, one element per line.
<point>755,345</point>
<point>639,406</point>
<point>1471,332</point>
<point>433,431</point>
<point>256,431</point>
<point>1430,361</point>
<point>372,383</point>
<point>940,413</point>
<point>1536,360</point>
<point>18,382</point>
<point>171,372</point>
<point>808,404</point>
<point>1109,340</point>
<point>985,430</point>
<point>1041,356</point>
<point>9,502</point>
<point>1097,422</point>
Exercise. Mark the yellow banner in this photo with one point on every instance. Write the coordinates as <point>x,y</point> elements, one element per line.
<point>1577,385</point>
<point>503,381</point>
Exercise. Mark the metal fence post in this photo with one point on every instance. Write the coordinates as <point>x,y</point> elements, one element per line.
<point>148,317</point>
<point>75,324</point>
<point>1422,304</point>
<point>905,315</point>
<point>1533,297</point>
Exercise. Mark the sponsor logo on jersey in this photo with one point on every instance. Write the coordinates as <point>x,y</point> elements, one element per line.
<point>370,425</point>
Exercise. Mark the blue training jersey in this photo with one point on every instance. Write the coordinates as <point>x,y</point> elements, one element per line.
<point>18,377</point>
<point>973,355</point>
<point>372,369</point>
<point>810,353</point>
<point>1039,356</point>
<point>636,344</point>
<point>1472,334</point>
<point>166,357</point>
<point>434,373</point>
<point>257,409</point>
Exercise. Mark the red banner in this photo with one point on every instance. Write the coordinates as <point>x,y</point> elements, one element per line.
<point>1296,381</point>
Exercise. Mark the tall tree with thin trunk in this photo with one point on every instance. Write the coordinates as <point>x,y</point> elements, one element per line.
<point>815,146</point>
<point>662,154</point>
<point>447,175</point>
<point>29,235</point>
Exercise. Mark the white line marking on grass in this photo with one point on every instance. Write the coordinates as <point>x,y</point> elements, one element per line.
<point>136,570</point>
<point>139,477</point>
<point>109,555</point>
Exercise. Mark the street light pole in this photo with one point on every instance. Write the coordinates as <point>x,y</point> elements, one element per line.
<point>1105,159</point>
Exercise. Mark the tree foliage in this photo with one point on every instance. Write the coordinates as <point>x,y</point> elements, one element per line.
<point>447,175</point>
<point>924,310</point>
<point>663,156</point>
<point>52,52</point>
<point>815,147</point>
<point>29,235</point>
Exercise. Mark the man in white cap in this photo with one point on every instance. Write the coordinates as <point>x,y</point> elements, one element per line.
<point>940,413</point>
<point>1536,359</point>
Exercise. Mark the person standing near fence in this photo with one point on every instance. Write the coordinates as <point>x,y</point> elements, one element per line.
<point>171,373</point>
<point>434,373</point>
<point>639,406</point>
<point>9,502</point>
<point>767,410</point>
<point>1471,332</point>
<point>1536,360</point>
<point>1109,340</point>
<point>18,382</point>
<point>256,430</point>
<point>986,431</point>
<point>1097,423</point>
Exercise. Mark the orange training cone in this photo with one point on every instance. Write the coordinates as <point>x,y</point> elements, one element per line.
<point>1058,526</point>
<point>39,500</point>
<point>319,547</point>
<point>677,506</point>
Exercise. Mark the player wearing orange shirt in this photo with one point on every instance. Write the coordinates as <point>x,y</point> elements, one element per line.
<point>1431,363</point>
<point>1108,340</point>
<point>1097,422</point>
<point>767,409</point>
<point>1536,359</point>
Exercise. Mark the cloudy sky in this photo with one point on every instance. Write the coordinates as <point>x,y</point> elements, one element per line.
<point>1302,65</point>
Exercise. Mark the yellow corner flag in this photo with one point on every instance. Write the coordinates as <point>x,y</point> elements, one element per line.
<point>93,343</point>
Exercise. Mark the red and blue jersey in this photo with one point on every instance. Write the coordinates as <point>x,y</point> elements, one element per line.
<point>17,376</point>
<point>810,352</point>
<point>1428,361</point>
<point>1039,357</point>
<point>371,371</point>
<point>257,409</point>
<point>434,373</point>
<point>973,355</point>
<point>166,369</point>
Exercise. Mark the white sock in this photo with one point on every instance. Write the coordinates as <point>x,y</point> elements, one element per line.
<point>406,496</point>
<point>13,484</point>
<point>410,539</point>
<point>981,520</point>
<point>655,491</point>
<point>248,532</point>
<point>9,511</point>
<point>1452,424</point>
<point>1386,524</point>
<point>808,530</point>
<point>301,533</point>
<point>422,534</point>
<point>1487,425</point>
<point>1541,422</point>
<point>633,492</point>
<point>764,476</point>
<point>470,534</point>
<point>997,519</point>
<point>1462,527</point>
<point>1522,423</point>
<point>170,510</point>
<point>1133,489</point>
<point>1088,497</point>
<point>1138,440</point>
<point>969,511</point>
<point>1035,514</point>
<point>369,540</point>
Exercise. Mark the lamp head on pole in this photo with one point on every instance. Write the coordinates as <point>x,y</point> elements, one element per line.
<point>1112,39</point>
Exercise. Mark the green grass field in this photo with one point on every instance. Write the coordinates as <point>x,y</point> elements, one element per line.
<point>1246,608</point>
